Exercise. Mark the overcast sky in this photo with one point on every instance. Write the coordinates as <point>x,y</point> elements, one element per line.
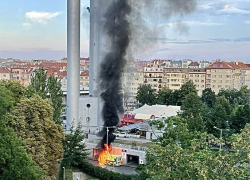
<point>218,29</point>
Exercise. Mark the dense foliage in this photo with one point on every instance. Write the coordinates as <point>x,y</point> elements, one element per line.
<point>48,88</point>
<point>75,150</point>
<point>32,120</point>
<point>182,154</point>
<point>15,163</point>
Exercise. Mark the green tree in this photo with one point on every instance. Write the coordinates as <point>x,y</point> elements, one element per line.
<point>38,83</point>
<point>240,118</point>
<point>15,163</point>
<point>146,95</point>
<point>56,96</point>
<point>208,96</point>
<point>186,88</point>
<point>75,151</point>
<point>192,110</point>
<point>243,96</point>
<point>15,87</point>
<point>220,115</point>
<point>232,95</point>
<point>32,120</point>
<point>164,96</point>
<point>181,154</point>
<point>48,88</point>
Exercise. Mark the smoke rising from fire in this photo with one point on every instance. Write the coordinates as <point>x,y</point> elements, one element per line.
<point>130,26</point>
<point>118,32</point>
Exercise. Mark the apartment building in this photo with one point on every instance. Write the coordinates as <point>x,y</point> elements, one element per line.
<point>245,69</point>
<point>154,77</point>
<point>4,74</point>
<point>224,75</point>
<point>198,77</point>
<point>132,79</point>
<point>173,78</point>
<point>21,74</point>
<point>84,78</point>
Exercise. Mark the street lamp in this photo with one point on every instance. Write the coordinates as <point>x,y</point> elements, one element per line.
<point>63,173</point>
<point>220,133</point>
<point>108,140</point>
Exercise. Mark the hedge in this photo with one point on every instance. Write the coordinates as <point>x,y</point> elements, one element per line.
<point>104,174</point>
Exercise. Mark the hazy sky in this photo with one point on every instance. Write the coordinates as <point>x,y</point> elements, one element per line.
<point>218,29</point>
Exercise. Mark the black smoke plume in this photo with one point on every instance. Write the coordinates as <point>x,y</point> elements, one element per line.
<point>118,32</point>
<point>130,26</point>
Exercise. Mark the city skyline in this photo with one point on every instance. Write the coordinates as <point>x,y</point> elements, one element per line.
<point>216,30</point>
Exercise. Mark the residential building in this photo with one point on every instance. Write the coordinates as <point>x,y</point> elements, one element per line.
<point>173,78</point>
<point>21,74</point>
<point>245,69</point>
<point>154,77</point>
<point>193,64</point>
<point>224,75</point>
<point>84,79</point>
<point>198,76</point>
<point>4,74</point>
<point>186,62</point>
<point>131,80</point>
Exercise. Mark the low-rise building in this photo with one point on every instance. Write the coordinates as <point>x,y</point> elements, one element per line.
<point>4,74</point>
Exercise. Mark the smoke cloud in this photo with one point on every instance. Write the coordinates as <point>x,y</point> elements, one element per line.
<point>118,32</point>
<point>129,27</point>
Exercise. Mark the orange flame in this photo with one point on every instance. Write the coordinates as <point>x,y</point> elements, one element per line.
<point>102,159</point>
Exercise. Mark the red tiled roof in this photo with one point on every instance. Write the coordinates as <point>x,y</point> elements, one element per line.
<point>220,65</point>
<point>85,73</point>
<point>242,65</point>
<point>4,70</point>
<point>234,65</point>
<point>194,64</point>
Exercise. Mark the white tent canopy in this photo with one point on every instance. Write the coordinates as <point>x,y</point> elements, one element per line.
<point>158,111</point>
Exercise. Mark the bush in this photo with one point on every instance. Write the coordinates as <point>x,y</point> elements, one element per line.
<point>105,174</point>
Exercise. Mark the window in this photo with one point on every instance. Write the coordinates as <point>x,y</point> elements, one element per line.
<point>213,76</point>
<point>202,86</point>
<point>202,81</point>
<point>220,71</point>
<point>219,86</point>
<point>215,65</point>
<point>196,80</point>
<point>203,75</point>
<point>213,86</point>
<point>220,81</point>
<point>220,76</point>
<point>214,81</point>
<point>197,75</point>
<point>213,70</point>
<point>228,76</point>
<point>208,71</point>
<point>221,65</point>
<point>191,75</point>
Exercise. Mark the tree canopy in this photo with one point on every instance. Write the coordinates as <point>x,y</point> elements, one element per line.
<point>181,154</point>
<point>15,163</point>
<point>146,95</point>
<point>48,88</point>
<point>32,120</point>
<point>75,151</point>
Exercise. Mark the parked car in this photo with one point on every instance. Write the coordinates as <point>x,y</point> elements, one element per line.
<point>122,134</point>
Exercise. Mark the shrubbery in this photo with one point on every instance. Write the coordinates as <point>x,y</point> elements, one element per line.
<point>105,174</point>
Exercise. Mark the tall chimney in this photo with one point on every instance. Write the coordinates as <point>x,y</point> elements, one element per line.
<point>73,61</point>
<point>94,46</point>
